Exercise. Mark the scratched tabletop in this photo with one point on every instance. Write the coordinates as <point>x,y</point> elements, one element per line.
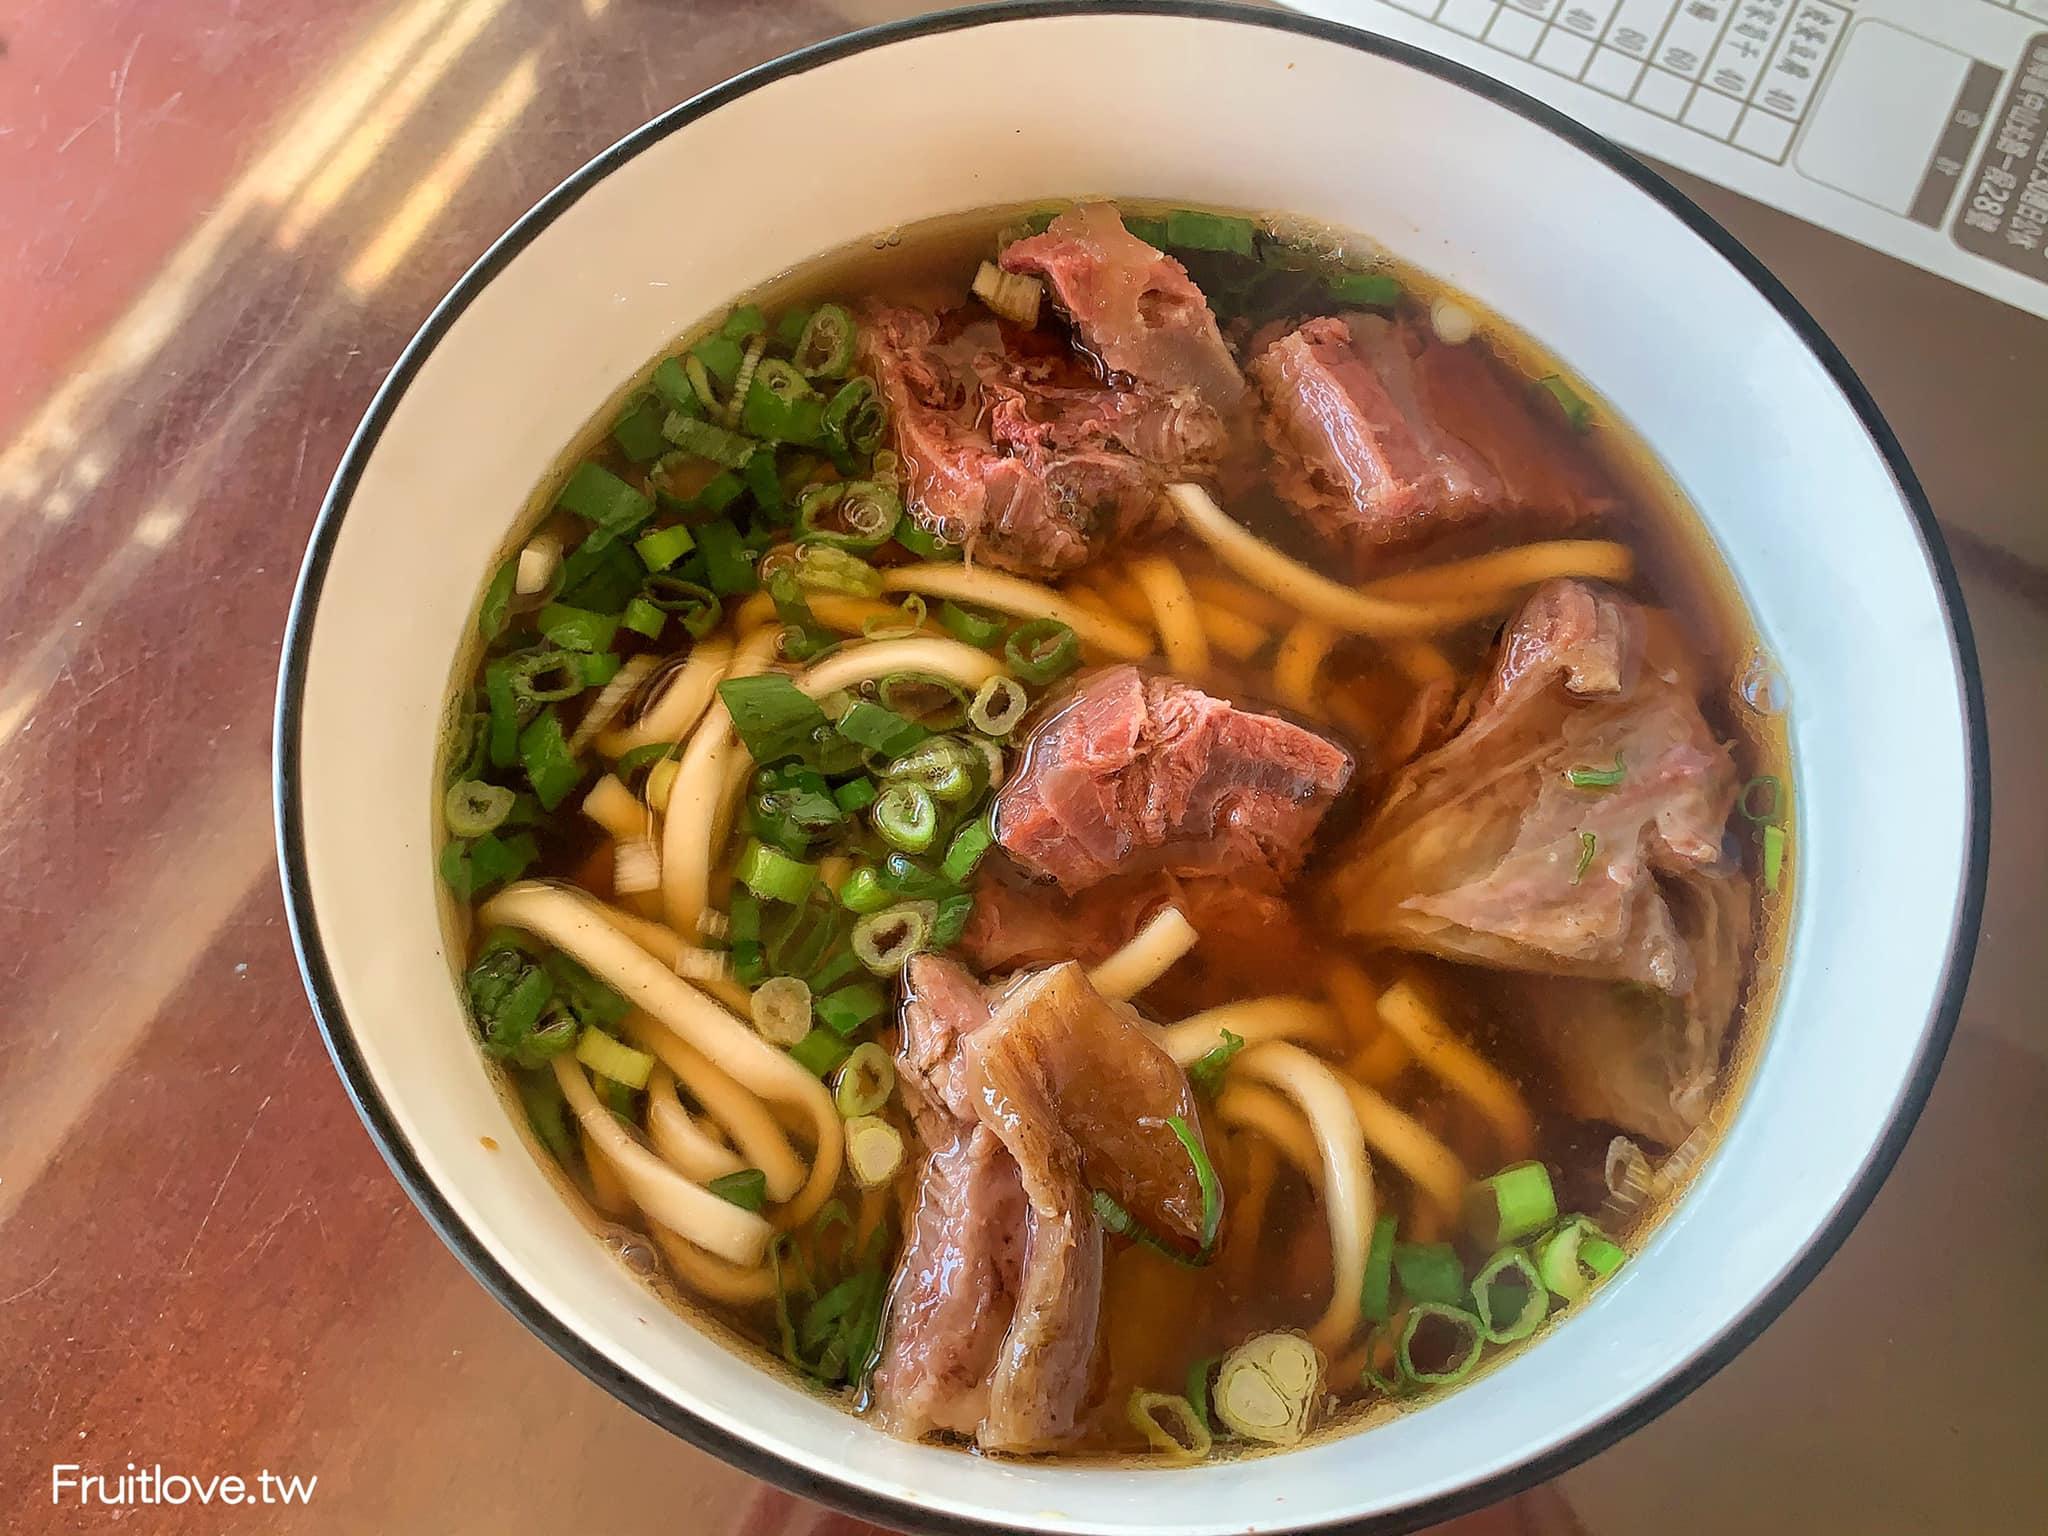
<point>219,223</point>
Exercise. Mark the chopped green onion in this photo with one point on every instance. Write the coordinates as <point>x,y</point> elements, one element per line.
<point>804,933</point>
<point>926,544</point>
<point>832,972</point>
<point>820,1051</point>
<point>967,849</point>
<point>879,729</point>
<point>719,356</point>
<point>848,514</point>
<point>494,859</point>
<point>1382,1368</point>
<point>1565,1260</point>
<point>945,765</point>
<point>474,807</point>
<point>728,563</point>
<point>781,406</point>
<point>1588,846</point>
<point>1509,1297</point>
<point>1376,1294</point>
<point>866,1080</point>
<point>827,568</point>
<point>1042,651</point>
<point>747,1188</point>
<point>862,891</point>
<point>1430,1272</point>
<point>698,607</point>
<point>1189,230</point>
<point>951,923</point>
<point>749,961</point>
<point>1369,290</point>
<point>708,441</point>
<point>672,386</point>
<point>546,1112</point>
<point>934,702</point>
<point>721,492</point>
<point>698,376</point>
<point>845,1010</point>
<point>1198,1388</point>
<point>907,620</point>
<point>1205,1076</point>
<point>1268,1388</point>
<point>999,704</point>
<point>598,496</point>
<point>970,624</point>
<point>781,1010</point>
<point>634,761</point>
<point>610,1058</point>
<point>765,484</point>
<point>874,1151</point>
<point>664,547</point>
<point>906,816</point>
<point>1596,778</point>
<point>825,349</point>
<point>771,715</point>
<point>1205,1176</point>
<point>789,328</point>
<point>855,794</point>
<point>904,876</point>
<point>600,573</point>
<point>773,875</point>
<point>643,618</point>
<point>1439,1344</point>
<point>1150,229</point>
<point>544,752</point>
<point>856,416</point>
<point>884,940</point>
<point>592,668</point>
<point>745,323</point>
<point>1774,857</point>
<point>1773,797</point>
<point>1576,411</point>
<point>1170,1425</point>
<point>497,603</point>
<point>638,430</point>
<point>1515,1203</point>
<point>577,629</point>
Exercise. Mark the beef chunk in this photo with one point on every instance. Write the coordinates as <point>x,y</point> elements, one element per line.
<point>1134,773</point>
<point>1484,850</point>
<point>1382,435</point>
<point>958,1278</point>
<point>1027,461</point>
<point>1133,307</point>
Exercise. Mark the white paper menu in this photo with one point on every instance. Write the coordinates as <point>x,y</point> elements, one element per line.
<point>1914,126</point>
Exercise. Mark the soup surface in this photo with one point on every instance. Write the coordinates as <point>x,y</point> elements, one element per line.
<point>1116,831</point>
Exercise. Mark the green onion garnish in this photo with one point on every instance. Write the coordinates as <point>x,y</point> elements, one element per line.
<point>780,407</point>
<point>720,357</point>
<point>1515,1203</point>
<point>474,807</point>
<point>598,496</point>
<point>638,760</point>
<point>1430,1272</point>
<point>925,544</point>
<point>643,618</point>
<point>879,729</point>
<point>1766,811</point>
<point>708,441</point>
<point>576,629</point>
<point>1376,1294</point>
<point>826,568</point>
<point>1368,290</point>
<point>771,715</point>
<point>999,704</point>
<point>1774,857</point>
<point>856,418</point>
<point>885,940</point>
<point>1198,1388</point>
<point>965,852</point>
<point>638,430</point>
<point>951,923</point>
<point>865,1081</point>
<point>544,752</point>
<point>858,515</point>
<point>1588,846</point>
<point>1439,1344</point>
<point>970,624</point>
<point>1566,1259</point>
<point>610,1058</point>
<point>1509,1296</point>
<point>845,1010</point>
<point>905,877</point>
<point>824,350</point>
<point>664,547</point>
<point>855,795</point>
<point>744,323</point>
<point>1596,778</point>
<point>906,816</point>
<point>1576,411</point>
<point>773,875</point>
<point>1205,1076</point>
<point>747,1189</point>
<point>672,387</point>
<point>698,607</point>
<point>497,604</point>
<point>728,563</point>
<point>1190,230</point>
<point>862,890</point>
<point>1042,651</point>
<point>1205,1176</point>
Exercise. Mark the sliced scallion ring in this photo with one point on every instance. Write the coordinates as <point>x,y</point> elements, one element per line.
<point>866,1079</point>
<point>998,705</point>
<point>884,940</point>
<point>1509,1297</point>
<point>1439,1345</point>
<point>474,807</point>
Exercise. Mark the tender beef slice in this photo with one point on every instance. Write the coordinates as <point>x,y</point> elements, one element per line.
<point>957,1282</point>
<point>1382,435</point>
<point>1134,308</point>
<point>1136,774</point>
<point>1480,851</point>
<point>1025,459</point>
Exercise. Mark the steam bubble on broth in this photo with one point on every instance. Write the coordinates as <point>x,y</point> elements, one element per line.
<point>1121,718</point>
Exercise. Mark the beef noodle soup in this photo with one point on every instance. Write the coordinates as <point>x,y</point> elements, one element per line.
<point>1116,832</point>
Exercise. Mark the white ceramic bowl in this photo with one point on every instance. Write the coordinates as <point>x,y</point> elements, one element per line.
<point>1801,484</point>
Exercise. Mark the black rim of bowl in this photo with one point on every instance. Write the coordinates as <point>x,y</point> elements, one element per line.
<point>906,1513</point>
